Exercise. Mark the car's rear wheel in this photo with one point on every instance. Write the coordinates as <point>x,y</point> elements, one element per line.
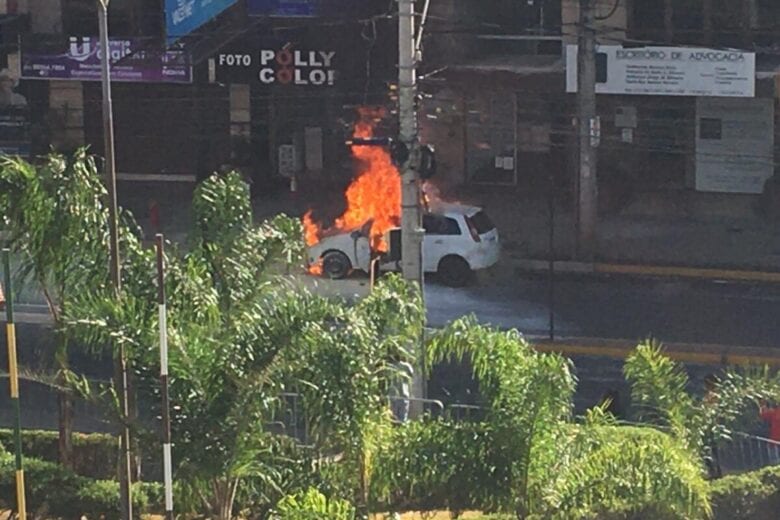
<point>454,271</point>
<point>335,265</point>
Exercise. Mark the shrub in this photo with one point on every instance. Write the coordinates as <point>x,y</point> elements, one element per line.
<point>94,454</point>
<point>313,505</point>
<point>60,493</point>
<point>436,465</point>
<point>753,496</point>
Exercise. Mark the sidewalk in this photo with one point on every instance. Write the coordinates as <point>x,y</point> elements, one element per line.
<point>686,232</point>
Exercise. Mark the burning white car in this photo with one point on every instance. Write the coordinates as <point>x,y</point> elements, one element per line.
<point>459,240</point>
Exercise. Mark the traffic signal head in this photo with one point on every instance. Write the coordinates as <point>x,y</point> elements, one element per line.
<point>427,162</point>
<point>399,153</point>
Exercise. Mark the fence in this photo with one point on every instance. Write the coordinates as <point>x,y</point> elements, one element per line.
<point>290,419</point>
<point>745,452</point>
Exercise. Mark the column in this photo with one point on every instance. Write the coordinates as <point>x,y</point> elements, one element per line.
<point>240,111</point>
<point>66,103</point>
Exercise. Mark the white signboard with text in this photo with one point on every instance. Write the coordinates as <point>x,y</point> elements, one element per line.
<point>668,71</point>
<point>734,144</point>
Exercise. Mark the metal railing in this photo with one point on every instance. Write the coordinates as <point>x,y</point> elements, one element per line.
<point>425,407</point>
<point>290,420</point>
<point>465,412</point>
<point>745,452</point>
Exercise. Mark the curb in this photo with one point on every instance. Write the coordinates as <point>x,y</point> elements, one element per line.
<point>703,354</point>
<point>567,267</point>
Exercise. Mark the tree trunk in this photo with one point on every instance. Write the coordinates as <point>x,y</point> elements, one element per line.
<point>226,496</point>
<point>65,401</point>
<point>65,423</point>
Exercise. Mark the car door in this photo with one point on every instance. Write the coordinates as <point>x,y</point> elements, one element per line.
<point>442,235</point>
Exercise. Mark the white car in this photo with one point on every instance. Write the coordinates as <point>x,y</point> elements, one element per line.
<point>458,240</point>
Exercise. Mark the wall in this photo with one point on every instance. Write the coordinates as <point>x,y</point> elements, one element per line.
<point>46,15</point>
<point>608,31</point>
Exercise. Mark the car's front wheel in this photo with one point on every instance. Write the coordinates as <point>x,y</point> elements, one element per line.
<point>454,271</point>
<point>336,265</point>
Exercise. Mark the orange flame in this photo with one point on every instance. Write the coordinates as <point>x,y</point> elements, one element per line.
<point>375,194</point>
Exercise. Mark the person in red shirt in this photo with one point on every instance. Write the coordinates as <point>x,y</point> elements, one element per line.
<point>772,416</point>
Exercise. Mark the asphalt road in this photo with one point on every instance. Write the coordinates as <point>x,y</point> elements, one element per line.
<point>607,307</point>
<point>681,311</point>
<point>674,311</point>
<point>617,307</point>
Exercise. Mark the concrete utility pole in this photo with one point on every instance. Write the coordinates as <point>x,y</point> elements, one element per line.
<point>411,214</point>
<point>116,278</point>
<point>411,236</point>
<point>589,128</point>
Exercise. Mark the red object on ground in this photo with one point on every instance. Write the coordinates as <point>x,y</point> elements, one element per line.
<point>772,416</point>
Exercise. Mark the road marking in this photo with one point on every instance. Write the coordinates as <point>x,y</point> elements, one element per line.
<point>689,272</point>
<point>684,352</point>
<point>718,275</point>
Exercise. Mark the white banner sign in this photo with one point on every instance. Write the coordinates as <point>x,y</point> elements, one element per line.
<point>734,144</point>
<point>668,71</point>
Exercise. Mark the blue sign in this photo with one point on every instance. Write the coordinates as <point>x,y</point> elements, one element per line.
<point>184,16</point>
<point>284,8</point>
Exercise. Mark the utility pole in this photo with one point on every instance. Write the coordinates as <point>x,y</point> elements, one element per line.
<point>589,130</point>
<point>411,215</point>
<point>116,279</point>
<point>411,237</point>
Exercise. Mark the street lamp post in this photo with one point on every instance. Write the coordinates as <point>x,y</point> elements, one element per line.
<point>116,278</point>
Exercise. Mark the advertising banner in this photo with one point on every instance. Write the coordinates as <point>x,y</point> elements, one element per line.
<point>668,71</point>
<point>78,58</point>
<point>284,8</point>
<point>184,16</point>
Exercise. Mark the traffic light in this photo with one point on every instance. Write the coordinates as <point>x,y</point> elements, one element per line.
<point>399,153</point>
<point>427,162</point>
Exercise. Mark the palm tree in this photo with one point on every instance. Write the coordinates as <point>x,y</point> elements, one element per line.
<point>57,225</point>
<point>241,333</point>
<point>555,466</point>
<point>659,392</point>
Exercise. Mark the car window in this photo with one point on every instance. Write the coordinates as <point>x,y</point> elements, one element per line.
<point>438,225</point>
<point>481,222</point>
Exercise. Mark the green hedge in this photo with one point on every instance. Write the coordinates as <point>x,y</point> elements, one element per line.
<point>94,454</point>
<point>750,496</point>
<point>62,494</point>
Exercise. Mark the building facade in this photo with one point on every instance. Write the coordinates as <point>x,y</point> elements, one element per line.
<point>194,95</point>
<point>501,108</point>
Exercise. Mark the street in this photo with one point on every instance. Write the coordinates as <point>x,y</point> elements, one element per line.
<point>616,307</point>
<point>599,307</point>
<point>685,311</point>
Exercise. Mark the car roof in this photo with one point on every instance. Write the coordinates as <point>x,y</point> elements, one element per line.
<point>452,208</point>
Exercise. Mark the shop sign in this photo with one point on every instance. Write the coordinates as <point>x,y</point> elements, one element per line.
<point>184,16</point>
<point>284,8</point>
<point>78,58</point>
<point>278,67</point>
<point>668,71</point>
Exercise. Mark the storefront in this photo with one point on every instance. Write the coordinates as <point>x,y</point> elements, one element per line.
<point>302,86</point>
<point>499,121</point>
